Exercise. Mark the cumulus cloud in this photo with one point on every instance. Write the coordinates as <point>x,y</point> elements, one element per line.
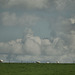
<point>61,35</point>
<point>32,48</point>
<point>11,47</point>
<point>61,27</point>
<point>11,19</point>
<point>60,45</point>
<point>62,38</point>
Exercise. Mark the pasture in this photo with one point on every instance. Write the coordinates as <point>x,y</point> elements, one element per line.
<point>36,69</point>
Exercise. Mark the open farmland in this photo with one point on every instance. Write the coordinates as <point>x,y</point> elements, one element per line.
<point>36,69</point>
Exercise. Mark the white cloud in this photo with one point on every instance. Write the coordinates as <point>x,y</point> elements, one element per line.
<point>64,4</point>
<point>68,58</point>
<point>72,40</point>
<point>32,48</point>
<point>72,20</point>
<point>16,46</point>
<point>62,30</point>
<point>29,58</point>
<point>38,4</point>
<point>46,42</point>
<point>11,19</point>
<point>30,4</point>
<point>4,47</point>
<point>11,47</point>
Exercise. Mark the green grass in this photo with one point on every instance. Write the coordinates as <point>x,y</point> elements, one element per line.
<point>36,69</point>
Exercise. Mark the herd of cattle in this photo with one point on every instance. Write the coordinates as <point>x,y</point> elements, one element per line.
<point>1,61</point>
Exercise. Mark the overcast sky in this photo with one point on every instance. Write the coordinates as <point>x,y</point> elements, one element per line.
<point>32,30</point>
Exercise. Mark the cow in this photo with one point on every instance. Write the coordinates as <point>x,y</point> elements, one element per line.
<point>1,61</point>
<point>37,61</point>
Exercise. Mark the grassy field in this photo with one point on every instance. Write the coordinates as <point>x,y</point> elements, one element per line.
<point>36,69</point>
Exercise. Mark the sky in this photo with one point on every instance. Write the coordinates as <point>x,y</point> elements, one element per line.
<point>37,30</point>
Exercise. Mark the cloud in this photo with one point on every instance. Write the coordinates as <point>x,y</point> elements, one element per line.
<point>11,47</point>
<point>61,4</point>
<point>38,4</point>
<point>64,4</point>
<point>61,27</point>
<point>72,46</point>
<point>60,44</point>
<point>72,20</point>
<point>61,34</point>
<point>30,4</point>
<point>67,58</point>
<point>11,19</point>
<point>32,45</point>
<point>32,48</point>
